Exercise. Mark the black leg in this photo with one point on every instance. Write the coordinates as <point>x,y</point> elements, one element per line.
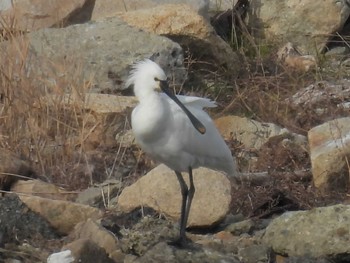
<point>189,196</point>
<point>184,193</point>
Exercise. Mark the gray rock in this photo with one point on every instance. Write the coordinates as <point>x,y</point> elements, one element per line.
<point>307,24</point>
<point>321,93</point>
<point>329,150</point>
<point>98,53</point>
<point>320,232</point>
<point>160,190</point>
<point>105,8</point>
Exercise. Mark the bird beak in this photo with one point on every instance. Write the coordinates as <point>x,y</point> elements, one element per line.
<point>195,122</point>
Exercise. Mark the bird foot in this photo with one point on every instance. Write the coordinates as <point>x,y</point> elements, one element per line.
<point>181,242</point>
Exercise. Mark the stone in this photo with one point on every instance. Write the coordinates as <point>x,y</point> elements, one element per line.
<point>94,232</point>
<point>108,8</point>
<point>306,24</point>
<point>102,192</point>
<point>84,250</point>
<point>30,15</point>
<point>42,189</point>
<point>62,215</point>
<point>252,134</point>
<point>321,94</point>
<point>329,153</point>
<point>160,190</point>
<point>320,232</point>
<point>290,57</point>
<point>61,257</point>
<point>184,25</point>
<point>245,226</point>
<point>92,57</point>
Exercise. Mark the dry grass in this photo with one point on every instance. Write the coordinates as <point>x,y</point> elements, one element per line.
<point>38,125</point>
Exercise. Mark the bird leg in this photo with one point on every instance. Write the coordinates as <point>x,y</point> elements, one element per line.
<point>184,193</point>
<point>190,195</point>
<point>187,196</point>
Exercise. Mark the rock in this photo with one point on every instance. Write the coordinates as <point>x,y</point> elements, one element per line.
<point>108,8</point>
<point>245,226</point>
<point>321,94</point>
<point>62,215</point>
<point>320,232</point>
<point>254,253</point>
<point>61,257</point>
<point>329,152</point>
<point>252,134</point>
<point>12,168</point>
<point>95,233</point>
<point>96,194</point>
<point>184,25</point>
<point>42,189</point>
<point>160,190</point>
<point>84,250</point>
<point>308,25</point>
<point>289,56</point>
<point>31,15</point>
<point>68,57</point>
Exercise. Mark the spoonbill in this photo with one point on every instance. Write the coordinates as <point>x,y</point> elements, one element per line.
<point>175,130</point>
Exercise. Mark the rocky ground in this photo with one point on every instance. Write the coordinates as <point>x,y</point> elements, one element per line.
<point>73,180</point>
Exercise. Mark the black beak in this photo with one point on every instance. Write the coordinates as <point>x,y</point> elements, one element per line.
<point>195,122</point>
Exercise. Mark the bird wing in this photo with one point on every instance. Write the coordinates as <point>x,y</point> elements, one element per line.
<point>197,149</point>
<point>192,101</point>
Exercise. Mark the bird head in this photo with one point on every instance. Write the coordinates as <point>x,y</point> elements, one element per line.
<point>147,76</point>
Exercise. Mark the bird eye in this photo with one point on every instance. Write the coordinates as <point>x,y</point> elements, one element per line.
<point>156,79</point>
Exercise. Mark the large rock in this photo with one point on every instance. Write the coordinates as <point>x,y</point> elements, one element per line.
<point>160,190</point>
<point>108,8</point>
<point>31,15</point>
<point>307,23</point>
<point>182,23</point>
<point>42,189</point>
<point>329,152</point>
<point>92,56</point>
<point>322,94</point>
<point>320,232</point>
<point>252,134</point>
<point>95,233</point>
<point>62,215</point>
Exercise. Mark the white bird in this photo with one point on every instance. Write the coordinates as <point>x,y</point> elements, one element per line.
<point>176,131</point>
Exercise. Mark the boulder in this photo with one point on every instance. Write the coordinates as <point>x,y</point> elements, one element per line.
<point>160,190</point>
<point>181,23</point>
<point>95,233</point>
<point>32,15</point>
<point>293,59</point>
<point>85,250</point>
<point>62,215</point>
<point>320,232</point>
<point>307,24</point>
<point>91,57</point>
<point>252,134</point>
<point>329,152</point>
<point>108,8</point>
<point>42,189</point>
<point>321,94</point>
